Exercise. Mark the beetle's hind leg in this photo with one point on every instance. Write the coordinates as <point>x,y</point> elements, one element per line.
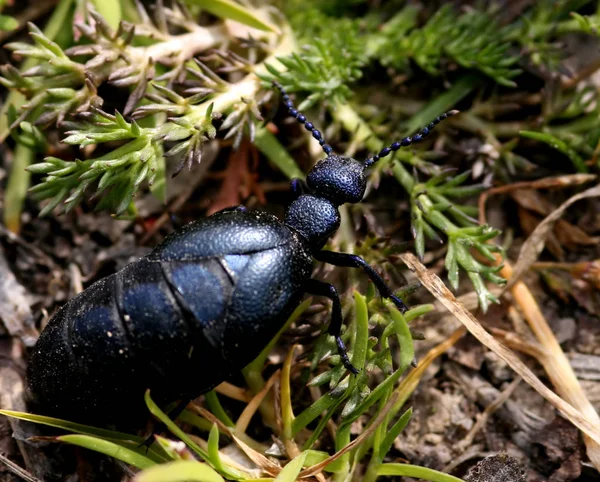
<point>354,261</point>
<point>320,288</point>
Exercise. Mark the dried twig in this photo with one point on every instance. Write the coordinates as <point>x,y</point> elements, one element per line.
<point>435,285</point>
<point>18,471</point>
<point>556,364</point>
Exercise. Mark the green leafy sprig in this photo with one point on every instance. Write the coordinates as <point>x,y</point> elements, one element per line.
<point>331,59</point>
<point>472,39</point>
<point>60,86</point>
<point>120,172</point>
<point>187,114</point>
<point>434,206</point>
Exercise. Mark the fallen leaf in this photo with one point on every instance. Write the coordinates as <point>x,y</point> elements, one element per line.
<point>532,201</point>
<point>529,221</point>
<point>568,233</point>
<point>535,243</point>
<point>15,310</point>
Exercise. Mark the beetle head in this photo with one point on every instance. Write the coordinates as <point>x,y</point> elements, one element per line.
<point>338,179</point>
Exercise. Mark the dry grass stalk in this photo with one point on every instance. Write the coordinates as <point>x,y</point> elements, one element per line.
<point>555,363</point>
<point>434,284</point>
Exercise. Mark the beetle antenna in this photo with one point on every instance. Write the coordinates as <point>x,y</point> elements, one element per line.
<point>407,141</point>
<point>300,117</point>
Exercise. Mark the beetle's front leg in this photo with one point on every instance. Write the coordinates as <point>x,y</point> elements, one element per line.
<point>320,288</point>
<point>354,261</point>
<point>298,187</point>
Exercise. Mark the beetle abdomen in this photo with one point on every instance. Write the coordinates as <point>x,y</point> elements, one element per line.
<point>139,328</point>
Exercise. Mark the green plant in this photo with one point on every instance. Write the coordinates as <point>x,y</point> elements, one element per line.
<point>473,39</point>
<point>114,58</point>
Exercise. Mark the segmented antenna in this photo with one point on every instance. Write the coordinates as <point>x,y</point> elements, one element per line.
<point>302,118</point>
<point>407,141</point>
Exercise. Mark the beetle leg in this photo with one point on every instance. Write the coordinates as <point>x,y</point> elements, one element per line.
<point>354,261</point>
<point>320,288</point>
<point>233,208</point>
<point>298,187</point>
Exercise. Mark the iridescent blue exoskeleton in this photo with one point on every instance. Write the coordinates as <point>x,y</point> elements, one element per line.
<point>203,304</point>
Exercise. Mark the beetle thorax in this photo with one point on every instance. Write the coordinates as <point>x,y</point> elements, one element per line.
<point>332,182</point>
<point>314,217</point>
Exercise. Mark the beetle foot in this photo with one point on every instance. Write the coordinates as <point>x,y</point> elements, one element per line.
<point>399,303</point>
<point>147,443</point>
<point>344,355</point>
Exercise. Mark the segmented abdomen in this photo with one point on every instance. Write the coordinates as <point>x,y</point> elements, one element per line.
<point>152,324</point>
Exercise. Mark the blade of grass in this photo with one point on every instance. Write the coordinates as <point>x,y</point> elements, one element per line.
<point>253,371</point>
<point>393,433</point>
<point>315,469</point>
<point>332,399</point>
<point>408,385</point>
<point>214,405</point>
<point>213,448</point>
<point>405,470</point>
<point>130,456</point>
<point>290,471</point>
<point>18,181</point>
<point>234,11</point>
<point>195,420</point>
<point>559,145</point>
<point>361,338</point>
<point>244,419</point>
<point>174,429</point>
<point>407,350</point>
<point>443,102</point>
<point>179,471</point>
<point>314,457</point>
<point>268,144</point>
<point>72,426</point>
<point>322,423</point>
<point>16,188</point>
<point>287,412</point>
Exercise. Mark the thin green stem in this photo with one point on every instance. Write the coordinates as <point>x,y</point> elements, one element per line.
<point>16,189</point>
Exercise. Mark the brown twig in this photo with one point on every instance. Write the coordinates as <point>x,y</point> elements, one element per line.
<point>488,412</point>
<point>577,416</point>
<point>18,471</point>
<point>545,183</point>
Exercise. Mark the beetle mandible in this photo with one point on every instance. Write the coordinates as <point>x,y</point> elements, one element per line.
<point>202,304</point>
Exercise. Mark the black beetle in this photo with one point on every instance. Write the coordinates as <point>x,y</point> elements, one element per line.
<point>203,304</point>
